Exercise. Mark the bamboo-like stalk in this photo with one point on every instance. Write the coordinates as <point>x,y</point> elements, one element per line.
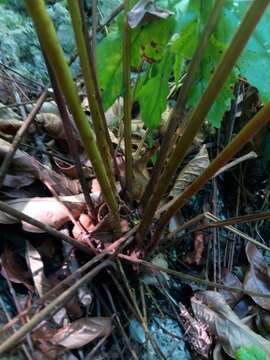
<point>177,113</point>
<point>127,100</point>
<point>72,145</point>
<point>89,78</point>
<point>62,73</point>
<point>244,136</point>
<point>89,46</point>
<point>196,119</point>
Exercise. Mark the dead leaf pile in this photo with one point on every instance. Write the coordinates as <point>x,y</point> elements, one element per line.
<point>211,309</point>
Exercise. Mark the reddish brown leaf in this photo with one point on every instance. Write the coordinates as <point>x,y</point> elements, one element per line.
<point>47,210</point>
<point>230,279</point>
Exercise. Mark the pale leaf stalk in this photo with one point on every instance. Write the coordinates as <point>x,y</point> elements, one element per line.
<point>127,100</point>
<point>197,117</point>
<point>62,73</point>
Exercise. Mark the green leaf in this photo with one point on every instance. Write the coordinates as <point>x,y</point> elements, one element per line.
<point>183,47</point>
<point>150,40</point>
<point>250,353</point>
<point>109,68</point>
<point>152,96</point>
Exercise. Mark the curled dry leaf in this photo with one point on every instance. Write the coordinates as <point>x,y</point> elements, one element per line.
<point>51,124</point>
<point>258,277</point>
<point>47,210</point>
<point>145,11</point>
<point>82,332</point>
<point>190,172</point>
<point>27,166</point>
<point>35,264</point>
<point>211,308</point>
<point>230,279</point>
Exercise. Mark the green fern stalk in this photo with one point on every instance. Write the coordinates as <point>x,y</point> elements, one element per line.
<point>177,113</point>
<point>197,117</point>
<point>62,73</point>
<point>127,100</point>
<point>89,75</point>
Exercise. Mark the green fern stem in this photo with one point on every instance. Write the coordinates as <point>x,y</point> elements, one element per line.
<point>89,75</point>
<point>197,117</point>
<point>62,73</point>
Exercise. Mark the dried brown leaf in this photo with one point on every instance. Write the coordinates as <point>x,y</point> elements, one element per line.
<point>82,332</point>
<point>25,165</point>
<point>145,11</point>
<point>190,172</point>
<point>211,308</point>
<point>258,277</point>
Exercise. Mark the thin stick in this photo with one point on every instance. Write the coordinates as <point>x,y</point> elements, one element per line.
<point>250,155</point>
<point>178,111</point>
<point>19,136</point>
<point>127,100</point>
<point>62,73</point>
<point>23,76</point>
<point>190,278</point>
<point>244,136</point>
<point>196,119</point>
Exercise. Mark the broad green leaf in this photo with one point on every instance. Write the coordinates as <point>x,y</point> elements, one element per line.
<point>250,353</point>
<point>183,47</point>
<point>109,68</point>
<point>150,40</point>
<point>153,94</point>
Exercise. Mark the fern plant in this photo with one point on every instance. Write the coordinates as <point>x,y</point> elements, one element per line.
<point>188,40</point>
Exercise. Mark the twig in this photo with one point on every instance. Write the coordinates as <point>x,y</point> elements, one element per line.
<point>23,76</point>
<point>189,278</point>
<point>250,155</point>
<point>125,337</point>
<point>25,350</point>
<point>19,136</point>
